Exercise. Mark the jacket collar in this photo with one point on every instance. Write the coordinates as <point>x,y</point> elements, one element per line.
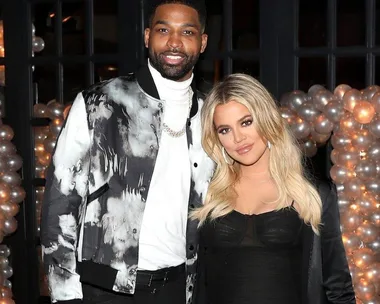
<point>146,82</point>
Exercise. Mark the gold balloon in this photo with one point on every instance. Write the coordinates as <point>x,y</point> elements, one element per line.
<point>365,290</point>
<point>351,220</point>
<point>340,90</point>
<point>363,257</point>
<point>4,193</point>
<point>363,112</point>
<point>350,98</point>
<point>367,232</point>
<point>351,242</point>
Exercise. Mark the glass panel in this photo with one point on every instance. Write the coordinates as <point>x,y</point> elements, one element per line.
<point>74,81</point>
<point>207,72</point>
<point>312,26</point>
<point>245,24</point>
<point>351,22</point>
<point>351,71</point>
<point>312,71</point>
<point>73,35</point>
<point>105,26</point>
<point>247,67</point>
<point>105,71</point>
<point>377,22</point>
<point>44,77</point>
<point>44,28</point>
<point>377,70</point>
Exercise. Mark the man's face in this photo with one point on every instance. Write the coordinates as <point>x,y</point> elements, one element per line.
<point>175,40</point>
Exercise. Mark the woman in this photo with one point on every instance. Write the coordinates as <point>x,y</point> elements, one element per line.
<point>268,236</point>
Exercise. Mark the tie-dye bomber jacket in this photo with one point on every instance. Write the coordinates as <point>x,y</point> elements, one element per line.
<point>97,185</point>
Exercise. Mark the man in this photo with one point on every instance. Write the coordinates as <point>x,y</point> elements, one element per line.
<point>127,167</point>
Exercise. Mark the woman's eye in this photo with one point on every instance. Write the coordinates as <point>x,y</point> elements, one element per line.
<point>223,131</point>
<point>247,122</point>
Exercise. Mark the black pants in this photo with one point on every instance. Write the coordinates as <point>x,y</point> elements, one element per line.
<point>173,292</point>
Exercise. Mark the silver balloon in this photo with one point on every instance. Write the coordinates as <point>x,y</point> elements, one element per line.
<point>340,174</point>
<point>362,139</point>
<point>8,284</point>
<point>49,143</point>
<point>375,101</point>
<point>373,186</point>
<point>9,209</point>
<point>7,272</point>
<point>4,251</point>
<point>301,129</point>
<point>7,148</point>
<point>10,178</point>
<point>55,109</point>
<point>3,262</point>
<point>307,111</point>
<point>296,98</point>
<point>350,99</point>
<point>369,91</point>
<point>340,140</point>
<point>56,126</point>
<point>340,90</point>
<point>40,110</point>
<point>14,162</point>
<point>17,194</point>
<point>322,98</point>
<point>3,163</point>
<point>374,126</point>
<point>366,203</point>
<point>348,157</point>
<point>354,187</point>
<point>318,137</point>
<point>314,89</point>
<point>309,148</point>
<point>322,125</point>
<point>334,156</point>
<point>348,123</point>
<point>289,115</point>
<point>6,133</point>
<point>38,44</point>
<point>366,169</point>
<point>334,110</point>
<point>10,225</point>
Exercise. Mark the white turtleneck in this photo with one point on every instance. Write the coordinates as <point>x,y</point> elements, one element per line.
<point>163,233</point>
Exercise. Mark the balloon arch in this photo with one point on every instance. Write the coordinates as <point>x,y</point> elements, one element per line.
<point>350,119</point>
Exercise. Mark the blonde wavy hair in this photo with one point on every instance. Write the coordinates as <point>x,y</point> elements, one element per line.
<point>285,160</point>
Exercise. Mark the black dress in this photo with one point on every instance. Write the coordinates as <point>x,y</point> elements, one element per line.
<point>253,259</point>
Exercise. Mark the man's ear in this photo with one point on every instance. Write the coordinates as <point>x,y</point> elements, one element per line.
<point>146,37</point>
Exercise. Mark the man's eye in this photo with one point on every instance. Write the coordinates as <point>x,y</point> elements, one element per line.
<point>188,33</point>
<point>162,30</point>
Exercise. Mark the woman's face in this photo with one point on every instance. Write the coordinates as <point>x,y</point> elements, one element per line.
<point>238,135</point>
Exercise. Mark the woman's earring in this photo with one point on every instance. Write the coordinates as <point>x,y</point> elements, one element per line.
<point>269,145</point>
<point>226,158</point>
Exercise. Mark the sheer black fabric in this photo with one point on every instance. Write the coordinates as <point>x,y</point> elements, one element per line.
<point>253,258</point>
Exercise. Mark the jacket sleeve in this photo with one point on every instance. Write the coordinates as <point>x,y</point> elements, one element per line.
<point>336,275</point>
<point>65,194</point>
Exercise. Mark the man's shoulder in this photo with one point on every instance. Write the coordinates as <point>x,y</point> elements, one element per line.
<point>108,87</point>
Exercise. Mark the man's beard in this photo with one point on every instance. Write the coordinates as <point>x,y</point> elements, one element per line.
<point>173,72</point>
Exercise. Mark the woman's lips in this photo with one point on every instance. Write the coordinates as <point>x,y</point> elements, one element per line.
<point>244,149</point>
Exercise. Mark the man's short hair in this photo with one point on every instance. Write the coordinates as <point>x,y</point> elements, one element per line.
<point>198,5</point>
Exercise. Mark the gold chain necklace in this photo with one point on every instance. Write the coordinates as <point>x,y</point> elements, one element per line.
<point>179,133</point>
